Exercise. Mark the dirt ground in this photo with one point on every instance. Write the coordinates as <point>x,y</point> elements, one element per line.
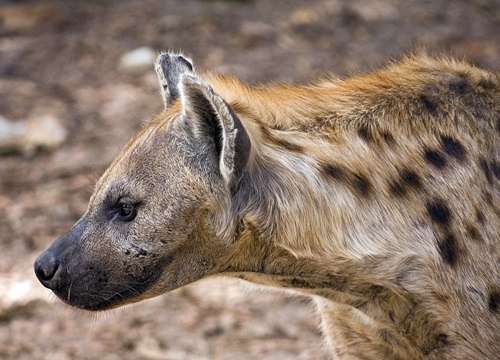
<point>62,62</point>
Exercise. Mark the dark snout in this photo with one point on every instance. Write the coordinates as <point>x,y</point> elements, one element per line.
<point>47,269</point>
<point>51,267</point>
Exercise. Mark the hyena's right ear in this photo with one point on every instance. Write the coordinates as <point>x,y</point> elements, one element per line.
<point>170,68</point>
<point>210,117</point>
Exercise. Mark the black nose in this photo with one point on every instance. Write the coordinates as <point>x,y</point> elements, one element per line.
<point>46,269</point>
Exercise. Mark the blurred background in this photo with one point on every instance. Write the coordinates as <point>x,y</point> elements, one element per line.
<point>77,80</point>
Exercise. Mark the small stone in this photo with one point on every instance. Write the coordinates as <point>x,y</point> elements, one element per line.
<point>19,290</point>
<point>303,16</point>
<point>45,132</point>
<point>138,60</point>
<point>28,136</point>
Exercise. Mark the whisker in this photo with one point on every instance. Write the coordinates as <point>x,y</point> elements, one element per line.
<point>68,297</point>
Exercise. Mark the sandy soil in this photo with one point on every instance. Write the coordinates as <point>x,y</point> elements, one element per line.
<point>61,60</point>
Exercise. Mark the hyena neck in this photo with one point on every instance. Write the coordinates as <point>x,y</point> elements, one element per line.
<point>275,218</point>
<point>294,173</point>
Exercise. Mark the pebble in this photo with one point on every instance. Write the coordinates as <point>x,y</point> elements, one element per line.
<point>27,136</point>
<point>18,288</point>
<point>138,60</point>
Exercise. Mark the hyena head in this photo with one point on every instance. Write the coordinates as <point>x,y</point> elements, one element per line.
<point>158,218</point>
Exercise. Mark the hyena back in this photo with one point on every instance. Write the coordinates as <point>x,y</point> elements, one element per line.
<point>377,195</point>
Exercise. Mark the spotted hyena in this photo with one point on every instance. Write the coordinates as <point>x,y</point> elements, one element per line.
<point>377,195</point>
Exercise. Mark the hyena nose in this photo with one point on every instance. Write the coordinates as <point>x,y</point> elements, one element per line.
<point>46,269</point>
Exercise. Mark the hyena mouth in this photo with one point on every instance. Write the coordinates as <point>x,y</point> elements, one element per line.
<point>103,296</point>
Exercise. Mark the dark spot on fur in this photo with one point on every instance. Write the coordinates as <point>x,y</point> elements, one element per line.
<point>408,179</point>
<point>358,182</point>
<point>365,134</point>
<point>480,216</point>
<point>411,178</point>
<point>392,317</point>
<point>488,198</point>
<point>436,343</point>
<point>361,184</point>
<point>388,138</point>
<point>397,189</point>
<point>376,291</point>
<point>495,168</point>
<point>486,170</point>
<point>448,249</point>
<point>473,232</point>
<point>453,147</point>
<point>439,212</point>
<point>429,103</point>
<point>435,158</point>
<point>494,301</point>
<point>459,84</point>
<point>443,339</point>
<point>333,171</point>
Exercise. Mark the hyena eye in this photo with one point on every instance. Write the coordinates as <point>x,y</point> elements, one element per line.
<point>127,210</point>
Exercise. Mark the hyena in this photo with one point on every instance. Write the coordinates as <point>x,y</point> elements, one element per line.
<point>376,195</point>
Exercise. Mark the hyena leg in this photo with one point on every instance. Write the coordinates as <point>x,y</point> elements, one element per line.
<point>351,335</point>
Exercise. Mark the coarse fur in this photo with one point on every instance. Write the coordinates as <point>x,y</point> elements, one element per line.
<point>377,195</point>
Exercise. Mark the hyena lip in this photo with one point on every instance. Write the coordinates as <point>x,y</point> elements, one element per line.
<point>108,304</point>
<point>119,293</point>
<point>122,294</point>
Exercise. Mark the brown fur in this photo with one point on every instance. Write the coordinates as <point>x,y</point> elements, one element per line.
<point>376,195</point>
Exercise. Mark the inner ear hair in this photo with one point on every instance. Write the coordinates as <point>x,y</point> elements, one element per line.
<point>203,116</point>
<point>213,117</point>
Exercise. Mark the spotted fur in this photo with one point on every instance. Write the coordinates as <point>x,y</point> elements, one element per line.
<point>377,195</point>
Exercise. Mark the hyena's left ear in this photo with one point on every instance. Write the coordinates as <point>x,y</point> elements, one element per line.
<point>212,118</point>
<point>170,68</point>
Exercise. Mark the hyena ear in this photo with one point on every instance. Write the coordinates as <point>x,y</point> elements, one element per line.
<point>210,116</point>
<point>170,68</point>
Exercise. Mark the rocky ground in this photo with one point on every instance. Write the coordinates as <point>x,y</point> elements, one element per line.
<point>76,81</point>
